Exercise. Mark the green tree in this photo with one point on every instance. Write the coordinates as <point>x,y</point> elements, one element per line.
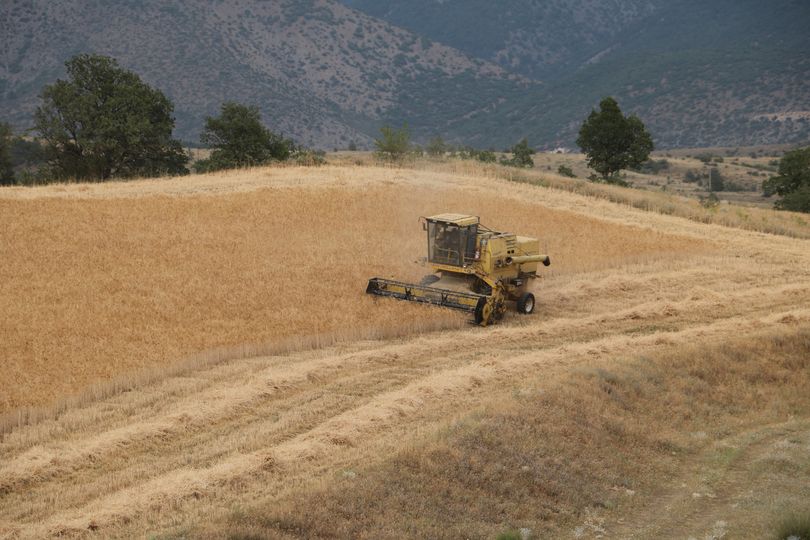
<point>522,154</point>
<point>436,147</point>
<point>393,144</point>
<point>792,182</point>
<point>240,140</point>
<point>105,122</point>
<point>612,141</point>
<point>6,169</point>
<point>716,182</point>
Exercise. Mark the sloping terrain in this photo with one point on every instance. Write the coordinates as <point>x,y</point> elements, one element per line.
<point>697,73</point>
<point>320,72</point>
<point>193,272</point>
<point>301,440</point>
<point>541,40</point>
<point>479,73</point>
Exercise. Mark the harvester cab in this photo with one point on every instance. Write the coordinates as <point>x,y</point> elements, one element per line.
<point>475,269</point>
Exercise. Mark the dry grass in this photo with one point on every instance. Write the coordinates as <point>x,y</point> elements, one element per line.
<point>681,201</point>
<point>575,451</point>
<point>94,288</point>
<point>749,218</point>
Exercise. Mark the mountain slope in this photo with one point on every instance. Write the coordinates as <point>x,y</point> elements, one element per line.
<point>718,73</point>
<point>319,71</point>
<point>541,40</point>
<point>480,73</point>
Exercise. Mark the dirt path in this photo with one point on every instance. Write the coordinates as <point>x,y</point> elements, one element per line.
<point>731,489</point>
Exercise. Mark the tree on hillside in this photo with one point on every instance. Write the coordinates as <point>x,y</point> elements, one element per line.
<point>716,182</point>
<point>6,170</point>
<point>393,144</point>
<point>792,182</point>
<point>612,141</point>
<point>522,154</point>
<point>104,122</point>
<point>240,140</point>
<point>436,147</point>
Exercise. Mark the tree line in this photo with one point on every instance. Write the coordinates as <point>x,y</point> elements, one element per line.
<point>395,145</point>
<point>104,122</point>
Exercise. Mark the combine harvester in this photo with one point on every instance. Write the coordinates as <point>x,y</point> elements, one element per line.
<point>475,269</point>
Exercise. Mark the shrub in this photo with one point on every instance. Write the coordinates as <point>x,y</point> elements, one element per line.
<point>565,170</point>
<point>309,158</point>
<point>716,182</point>
<point>487,156</point>
<point>654,166</point>
<point>794,526</point>
<point>704,158</point>
<point>691,177</point>
<point>712,201</point>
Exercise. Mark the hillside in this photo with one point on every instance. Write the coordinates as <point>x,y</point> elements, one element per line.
<point>699,74</point>
<point>479,73</point>
<point>204,363</point>
<point>541,40</point>
<point>319,72</point>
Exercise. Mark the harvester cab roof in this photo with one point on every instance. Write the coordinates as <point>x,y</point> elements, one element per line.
<point>462,220</point>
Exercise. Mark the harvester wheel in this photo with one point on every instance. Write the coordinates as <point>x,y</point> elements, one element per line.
<point>525,304</point>
<point>429,279</point>
<point>483,311</point>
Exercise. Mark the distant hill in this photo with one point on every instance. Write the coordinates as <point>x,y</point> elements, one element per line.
<point>726,72</point>
<point>320,72</point>
<point>476,72</point>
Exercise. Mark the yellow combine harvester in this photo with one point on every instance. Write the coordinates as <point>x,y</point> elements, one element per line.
<point>475,269</point>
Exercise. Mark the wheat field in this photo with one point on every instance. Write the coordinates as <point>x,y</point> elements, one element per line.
<point>205,363</point>
<point>97,287</point>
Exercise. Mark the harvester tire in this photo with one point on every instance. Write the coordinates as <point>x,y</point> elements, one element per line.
<point>482,312</point>
<point>429,279</point>
<point>525,304</point>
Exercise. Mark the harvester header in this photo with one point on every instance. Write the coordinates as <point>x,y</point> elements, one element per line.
<point>475,269</point>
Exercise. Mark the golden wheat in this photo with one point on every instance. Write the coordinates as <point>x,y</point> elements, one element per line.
<point>97,287</point>
<point>253,272</point>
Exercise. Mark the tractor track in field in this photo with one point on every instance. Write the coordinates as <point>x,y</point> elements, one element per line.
<point>284,419</point>
<point>186,444</point>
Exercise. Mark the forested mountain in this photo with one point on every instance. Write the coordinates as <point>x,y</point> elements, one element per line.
<point>476,72</point>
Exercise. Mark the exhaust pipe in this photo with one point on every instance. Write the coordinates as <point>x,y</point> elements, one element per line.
<point>528,259</point>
